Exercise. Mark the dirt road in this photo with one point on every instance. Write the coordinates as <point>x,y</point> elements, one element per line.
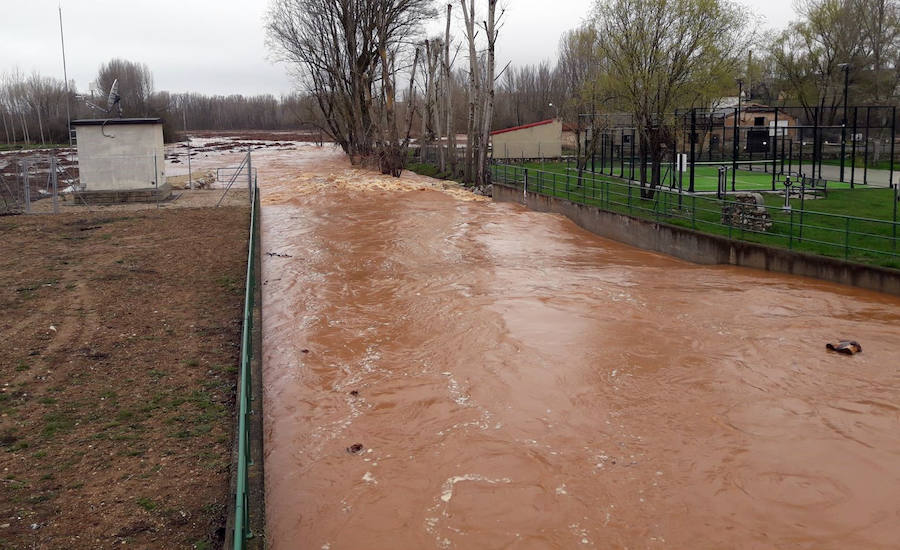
<point>442,373</point>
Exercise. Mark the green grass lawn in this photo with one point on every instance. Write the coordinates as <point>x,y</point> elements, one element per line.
<point>706,177</point>
<point>824,226</point>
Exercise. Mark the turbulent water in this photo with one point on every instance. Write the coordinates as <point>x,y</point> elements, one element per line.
<point>516,382</point>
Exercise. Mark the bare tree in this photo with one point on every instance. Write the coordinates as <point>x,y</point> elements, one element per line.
<point>346,52</point>
<point>491,31</point>
<point>663,54</point>
<point>864,34</point>
<point>474,91</point>
<point>135,85</point>
<point>577,69</point>
<point>448,93</point>
<point>481,90</point>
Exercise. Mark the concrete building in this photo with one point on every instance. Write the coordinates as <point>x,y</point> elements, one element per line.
<point>121,159</point>
<point>530,141</point>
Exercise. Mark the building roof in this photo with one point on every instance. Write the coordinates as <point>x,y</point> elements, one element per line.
<point>108,121</point>
<point>524,126</point>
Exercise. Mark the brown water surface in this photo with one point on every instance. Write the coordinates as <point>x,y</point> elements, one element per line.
<point>521,383</point>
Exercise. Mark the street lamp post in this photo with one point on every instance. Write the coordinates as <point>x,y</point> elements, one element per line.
<point>735,141</point>
<point>846,68</point>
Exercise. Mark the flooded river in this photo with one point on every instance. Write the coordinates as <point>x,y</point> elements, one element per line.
<point>443,373</point>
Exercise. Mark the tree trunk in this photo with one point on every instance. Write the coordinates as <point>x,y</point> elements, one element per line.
<point>483,177</point>
<point>5,127</point>
<point>474,90</point>
<point>448,95</point>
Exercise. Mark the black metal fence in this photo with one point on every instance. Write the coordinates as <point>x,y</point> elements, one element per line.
<point>855,145</point>
<point>744,216</point>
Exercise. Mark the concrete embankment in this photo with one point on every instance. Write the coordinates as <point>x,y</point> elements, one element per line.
<point>704,248</point>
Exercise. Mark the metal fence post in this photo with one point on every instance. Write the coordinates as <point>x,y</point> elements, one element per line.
<point>156,178</point>
<point>249,177</point>
<point>791,231</point>
<point>693,211</point>
<point>27,188</point>
<point>693,138</point>
<point>629,198</point>
<point>893,139</point>
<point>524,184</point>
<point>847,239</point>
<point>54,181</point>
<point>775,150</point>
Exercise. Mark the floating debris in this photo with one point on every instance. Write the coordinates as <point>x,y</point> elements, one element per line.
<point>355,449</point>
<point>847,347</point>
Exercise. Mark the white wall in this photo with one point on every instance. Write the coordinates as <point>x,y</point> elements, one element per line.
<point>121,159</point>
<point>544,141</point>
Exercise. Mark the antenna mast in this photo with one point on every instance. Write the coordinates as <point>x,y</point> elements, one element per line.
<point>65,75</point>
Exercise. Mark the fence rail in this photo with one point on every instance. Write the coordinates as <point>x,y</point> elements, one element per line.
<point>242,531</point>
<point>859,239</point>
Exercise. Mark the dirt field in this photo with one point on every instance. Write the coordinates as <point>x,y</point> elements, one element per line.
<point>120,339</point>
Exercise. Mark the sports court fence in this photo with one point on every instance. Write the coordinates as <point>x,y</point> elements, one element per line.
<point>775,221</point>
<point>855,145</point>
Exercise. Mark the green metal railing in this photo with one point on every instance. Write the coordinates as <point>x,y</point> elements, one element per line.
<point>859,239</point>
<point>242,531</point>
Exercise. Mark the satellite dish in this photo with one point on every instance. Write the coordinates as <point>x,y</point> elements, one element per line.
<point>113,100</point>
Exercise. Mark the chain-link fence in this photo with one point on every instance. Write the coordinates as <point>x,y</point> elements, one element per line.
<point>36,182</point>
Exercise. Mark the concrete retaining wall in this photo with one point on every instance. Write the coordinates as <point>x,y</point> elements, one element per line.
<point>703,248</point>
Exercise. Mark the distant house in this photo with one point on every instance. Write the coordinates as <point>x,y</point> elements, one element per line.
<point>756,129</point>
<point>758,125</point>
<point>536,140</point>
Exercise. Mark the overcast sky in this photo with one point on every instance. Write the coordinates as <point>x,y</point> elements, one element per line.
<point>218,46</point>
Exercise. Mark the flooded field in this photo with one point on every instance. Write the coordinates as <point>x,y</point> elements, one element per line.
<point>448,373</point>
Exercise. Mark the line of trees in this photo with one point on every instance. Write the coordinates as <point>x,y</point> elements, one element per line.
<point>647,58</point>
<point>350,54</point>
<point>33,107</point>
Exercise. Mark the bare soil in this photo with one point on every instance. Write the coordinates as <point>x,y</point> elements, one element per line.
<point>120,343</point>
<point>181,198</point>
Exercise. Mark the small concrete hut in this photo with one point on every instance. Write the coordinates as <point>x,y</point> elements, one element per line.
<point>121,159</point>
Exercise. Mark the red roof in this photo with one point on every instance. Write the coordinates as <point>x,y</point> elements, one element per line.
<point>514,128</point>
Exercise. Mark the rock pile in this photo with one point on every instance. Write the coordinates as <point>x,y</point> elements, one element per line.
<point>748,211</point>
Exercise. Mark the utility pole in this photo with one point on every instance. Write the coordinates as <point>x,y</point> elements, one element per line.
<point>735,146</point>
<point>62,41</point>
<point>846,68</point>
<point>188,138</point>
<point>749,73</point>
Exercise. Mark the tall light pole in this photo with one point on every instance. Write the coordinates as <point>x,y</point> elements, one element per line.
<point>846,68</point>
<point>65,77</point>
<point>188,138</point>
<point>735,141</point>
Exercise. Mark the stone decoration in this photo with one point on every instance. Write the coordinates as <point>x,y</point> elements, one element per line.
<point>747,211</point>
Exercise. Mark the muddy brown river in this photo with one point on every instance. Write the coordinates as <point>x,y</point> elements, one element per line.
<point>516,382</point>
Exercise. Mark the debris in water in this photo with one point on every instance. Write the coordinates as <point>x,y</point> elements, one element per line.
<point>355,449</point>
<point>354,393</point>
<point>304,350</point>
<point>278,255</point>
<point>847,347</point>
